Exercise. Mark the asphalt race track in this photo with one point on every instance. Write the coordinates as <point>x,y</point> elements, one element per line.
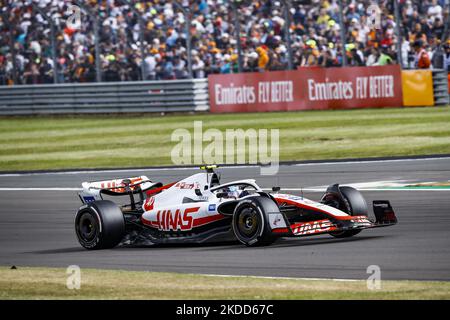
<point>36,226</point>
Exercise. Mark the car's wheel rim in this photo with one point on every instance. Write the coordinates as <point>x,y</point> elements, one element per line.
<point>248,222</point>
<point>335,204</point>
<point>87,227</point>
<point>347,210</point>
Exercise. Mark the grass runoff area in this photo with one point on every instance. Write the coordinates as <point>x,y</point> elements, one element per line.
<point>50,283</point>
<point>102,141</point>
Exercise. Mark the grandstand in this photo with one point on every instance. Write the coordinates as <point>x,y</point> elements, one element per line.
<point>155,31</point>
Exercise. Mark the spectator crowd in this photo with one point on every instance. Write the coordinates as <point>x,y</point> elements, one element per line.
<point>314,32</point>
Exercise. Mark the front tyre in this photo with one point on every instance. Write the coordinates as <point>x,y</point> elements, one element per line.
<point>354,204</point>
<point>99,225</point>
<point>250,221</point>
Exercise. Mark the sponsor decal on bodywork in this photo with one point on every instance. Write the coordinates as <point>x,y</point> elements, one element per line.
<point>180,219</point>
<point>167,220</point>
<point>361,221</point>
<point>184,185</point>
<point>276,221</point>
<point>149,204</point>
<point>88,199</point>
<point>312,227</point>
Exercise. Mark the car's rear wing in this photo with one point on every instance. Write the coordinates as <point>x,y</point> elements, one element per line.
<point>93,190</point>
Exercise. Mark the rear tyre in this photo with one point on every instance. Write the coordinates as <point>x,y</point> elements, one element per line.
<point>99,225</point>
<point>251,222</point>
<point>354,204</point>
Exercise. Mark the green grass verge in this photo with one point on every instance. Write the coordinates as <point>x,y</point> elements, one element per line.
<point>32,143</point>
<point>50,283</point>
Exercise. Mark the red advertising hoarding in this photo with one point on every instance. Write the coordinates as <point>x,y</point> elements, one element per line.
<point>306,89</point>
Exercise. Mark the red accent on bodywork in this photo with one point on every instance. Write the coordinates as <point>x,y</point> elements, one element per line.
<point>117,187</point>
<point>205,220</point>
<point>149,223</point>
<point>152,192</point>
<point>149,204</point>
<point>193,224</point>
<point>280,230</point>
<point>352,217</point>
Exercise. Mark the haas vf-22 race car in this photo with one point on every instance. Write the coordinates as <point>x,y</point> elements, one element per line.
<point>199,208</point>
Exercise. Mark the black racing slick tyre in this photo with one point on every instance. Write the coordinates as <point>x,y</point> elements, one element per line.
<point>354,204</point>
<point>99,225</point>
<point>251,222</point>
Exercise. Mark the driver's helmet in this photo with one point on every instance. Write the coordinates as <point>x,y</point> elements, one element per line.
<point>233,192</point>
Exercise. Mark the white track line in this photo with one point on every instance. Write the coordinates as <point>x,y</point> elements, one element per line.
<point>274,278</point>
<point>368,161</point>
<point>93,171</point>
<point>222,168</point>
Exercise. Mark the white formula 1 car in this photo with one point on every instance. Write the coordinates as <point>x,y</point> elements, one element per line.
<point>199,208</point>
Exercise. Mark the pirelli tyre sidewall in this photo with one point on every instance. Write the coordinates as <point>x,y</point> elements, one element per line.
<point>355,205</point>
<point>99,225</point>
<point>251,222</point>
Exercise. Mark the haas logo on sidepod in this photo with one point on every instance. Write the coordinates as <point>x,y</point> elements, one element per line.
<point>167,220</point>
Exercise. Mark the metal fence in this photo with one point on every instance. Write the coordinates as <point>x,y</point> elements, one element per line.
<point>113,97</point>
<point>440,87</point>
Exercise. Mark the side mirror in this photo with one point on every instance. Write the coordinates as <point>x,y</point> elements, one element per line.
<point>198,192</point>
<point>221,194</point>
<point>276,189</point>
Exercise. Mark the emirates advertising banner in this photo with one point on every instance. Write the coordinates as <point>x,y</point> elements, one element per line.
<point>309,88</point>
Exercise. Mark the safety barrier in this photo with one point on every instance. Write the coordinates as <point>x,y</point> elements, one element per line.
<point>113,97</point>
<point>440,87</point>
<point>417,88</point>
<point>355,87</point>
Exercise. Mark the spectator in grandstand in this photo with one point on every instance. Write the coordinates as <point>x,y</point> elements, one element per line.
<point>198,67</point>
<point>327,59</point>
<point>356,58</point>
<point>421,59</point>
<point>438,28</point>
<point>434,11</point>
<point>372,59</point>
<point>251,62</point>
<point>385,56</point>
<point>310,54</point>
<point>447,56</point>
<point>263,58</point>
